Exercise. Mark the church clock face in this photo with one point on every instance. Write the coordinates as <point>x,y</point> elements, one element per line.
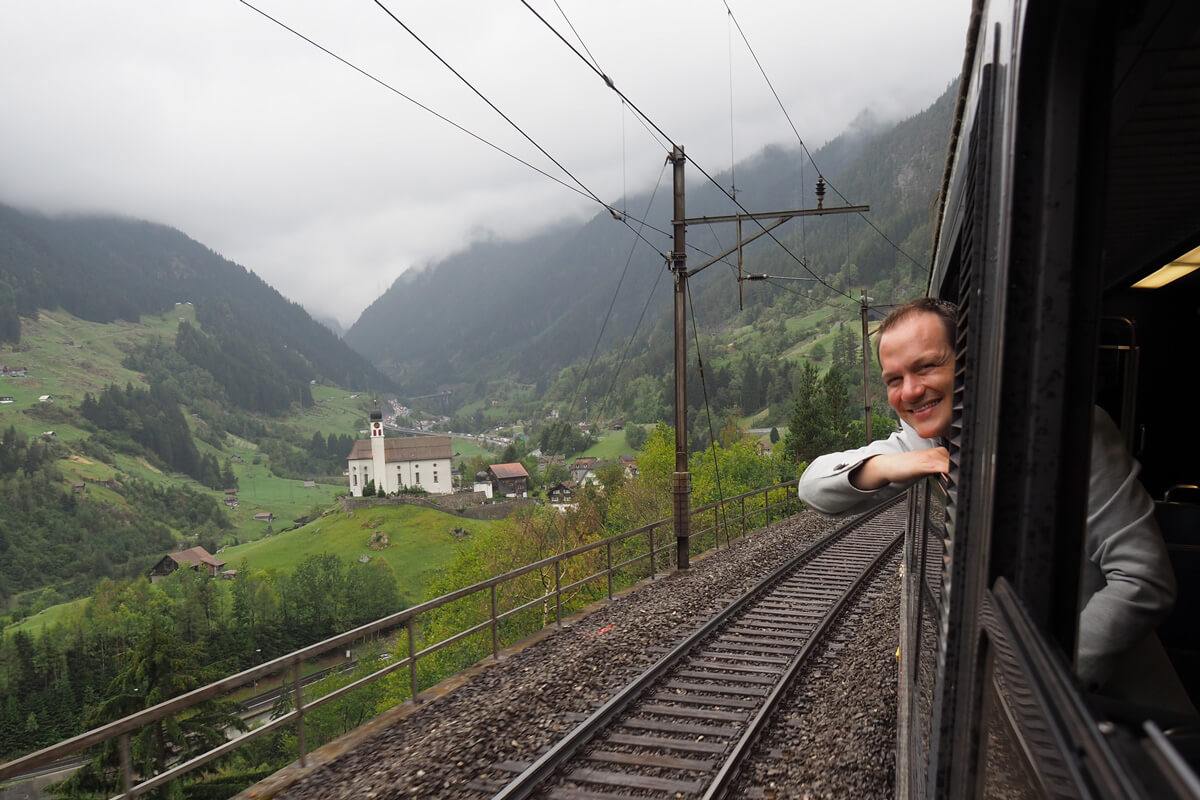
<point>376,429</point>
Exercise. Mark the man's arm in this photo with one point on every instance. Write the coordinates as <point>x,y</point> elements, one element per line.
<point>1129,571</point>
<point>878,471</point>
<point>830,483</point>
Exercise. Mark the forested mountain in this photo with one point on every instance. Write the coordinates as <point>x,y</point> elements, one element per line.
<point>236,358</point>
<point>262,348</point>
<point>527,309</point>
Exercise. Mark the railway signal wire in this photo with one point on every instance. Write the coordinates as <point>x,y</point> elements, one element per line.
<point>804,147</point>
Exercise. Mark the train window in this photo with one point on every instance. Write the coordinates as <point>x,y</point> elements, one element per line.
<point>1147,395</point>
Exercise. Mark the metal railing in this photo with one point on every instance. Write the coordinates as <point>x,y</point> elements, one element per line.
<point>772,502</point>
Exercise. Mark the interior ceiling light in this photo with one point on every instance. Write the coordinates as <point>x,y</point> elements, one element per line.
<point>1181,266</point>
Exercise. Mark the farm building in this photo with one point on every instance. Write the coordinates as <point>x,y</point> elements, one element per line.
<point>196,558</point>
<point>509,480</point>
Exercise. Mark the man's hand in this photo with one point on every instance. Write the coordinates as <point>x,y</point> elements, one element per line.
<point>878,471</point>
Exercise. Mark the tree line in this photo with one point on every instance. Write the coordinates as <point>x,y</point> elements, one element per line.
<point>103,269</point>
<point>135,643</point>
<point>51,535</point>
<point>152,420</point>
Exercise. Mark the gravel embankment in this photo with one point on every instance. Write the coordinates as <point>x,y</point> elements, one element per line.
<point>836,740</point>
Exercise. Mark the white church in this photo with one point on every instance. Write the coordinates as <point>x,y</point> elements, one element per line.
<point>399,463</point>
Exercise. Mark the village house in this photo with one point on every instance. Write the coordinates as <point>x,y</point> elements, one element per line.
<point>483,483</point>
<point>562,496</point>
<point>583,470</point>
<point>196,558</point>
<point>399,463</point>
<point>509,480</point>
<point>630,465</point>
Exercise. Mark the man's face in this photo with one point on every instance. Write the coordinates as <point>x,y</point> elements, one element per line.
<point>918,370</point>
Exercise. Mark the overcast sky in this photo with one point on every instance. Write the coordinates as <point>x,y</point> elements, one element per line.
<point>208,117</point>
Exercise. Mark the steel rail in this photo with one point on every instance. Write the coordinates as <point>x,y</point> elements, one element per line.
<point>526,783</point>
<point>729,770</point>
<point>121,729</point>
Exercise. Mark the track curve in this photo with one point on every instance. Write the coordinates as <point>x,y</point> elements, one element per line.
<point>683,727</point>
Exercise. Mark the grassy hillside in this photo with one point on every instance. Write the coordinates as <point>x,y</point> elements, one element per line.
<point>420,540</point>
<point>67,356</point>
<point>610,445</point>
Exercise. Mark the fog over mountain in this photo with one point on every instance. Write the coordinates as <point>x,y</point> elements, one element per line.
<point>526,308</point>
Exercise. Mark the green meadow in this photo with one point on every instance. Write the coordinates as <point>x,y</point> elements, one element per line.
<point>610,445</point>
<point>66,357</point>
<point>419,541</point>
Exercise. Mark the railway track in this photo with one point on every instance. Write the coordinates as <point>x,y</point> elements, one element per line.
<point>683,727</point>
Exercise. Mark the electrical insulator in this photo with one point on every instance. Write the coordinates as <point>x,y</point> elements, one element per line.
<point>820,191</point>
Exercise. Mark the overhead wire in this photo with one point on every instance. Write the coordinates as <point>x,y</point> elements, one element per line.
<point>775,282</point>
<point>804,147</point>
<point>712,437</point>
<point>629,344</point>
<point>612,85</point>
<point>580,188</point>
<point>732,151</point>
<point>612,303</point>
<point>582,43</point>
<point>489,103</point>
<point>414,101</point>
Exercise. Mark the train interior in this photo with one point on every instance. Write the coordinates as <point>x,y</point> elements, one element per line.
<point>1151,304</point>
<point>1145,382</point>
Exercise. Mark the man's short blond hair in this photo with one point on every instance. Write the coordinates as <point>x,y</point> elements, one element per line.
<point>945,311</point>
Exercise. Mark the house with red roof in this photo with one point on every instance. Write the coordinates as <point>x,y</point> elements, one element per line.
<point>509,480</point>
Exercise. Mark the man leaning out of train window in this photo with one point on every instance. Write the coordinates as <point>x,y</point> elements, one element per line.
<point>1128,582</point>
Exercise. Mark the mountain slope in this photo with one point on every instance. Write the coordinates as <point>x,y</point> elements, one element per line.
<point>103,269</point>
<point>527,309</point>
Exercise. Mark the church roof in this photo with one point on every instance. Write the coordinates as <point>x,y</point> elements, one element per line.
<point>405,448</point>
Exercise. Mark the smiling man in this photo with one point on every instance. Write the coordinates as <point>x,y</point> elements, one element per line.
<point>918,369</point>
<point>1127,583</point>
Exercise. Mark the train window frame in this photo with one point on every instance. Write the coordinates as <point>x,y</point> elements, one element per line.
<point>1047,266</point>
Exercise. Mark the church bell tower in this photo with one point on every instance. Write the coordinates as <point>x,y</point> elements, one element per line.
<point>378,465</point>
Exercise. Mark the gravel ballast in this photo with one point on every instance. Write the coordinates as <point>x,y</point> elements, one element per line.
<point>836,738</point>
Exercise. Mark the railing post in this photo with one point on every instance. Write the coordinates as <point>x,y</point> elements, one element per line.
<point>411,626</point>
<point>743,516</point>
<point>653,567</point>
<point>558,593</point>
<point>608,551</point>
<point>298,688</point>
<point>495,628</point>
<point>717,526</point>
<point>126,764</point>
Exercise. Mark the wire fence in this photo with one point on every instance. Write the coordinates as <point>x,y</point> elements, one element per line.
<point>411,650</point>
